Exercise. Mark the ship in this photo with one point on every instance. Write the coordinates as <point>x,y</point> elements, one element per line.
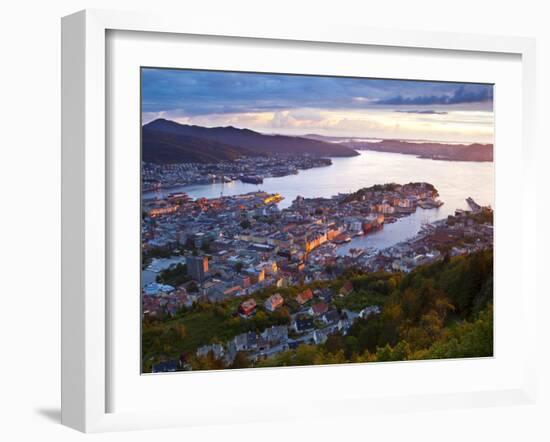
<point>252,179</point>
<point>430,203</point>
<point>341,239</point>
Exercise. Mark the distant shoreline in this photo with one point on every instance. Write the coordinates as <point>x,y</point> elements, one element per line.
<point>431,151</point>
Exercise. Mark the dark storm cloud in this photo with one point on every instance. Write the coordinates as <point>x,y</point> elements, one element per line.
<point>462,95</point>
<point>194,93</point>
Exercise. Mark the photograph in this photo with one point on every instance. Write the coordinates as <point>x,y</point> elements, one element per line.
<point>299,219</point>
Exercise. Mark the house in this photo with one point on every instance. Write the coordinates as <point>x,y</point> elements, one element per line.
<point>165,367</point>
<point>324,295</point>
<point>318,309</point>
<point>346,289</point>
<point>216,349</point>
<point>331,317</point>
<point>368,311</point>
<point>212,286</point>
<point>319,337</point>
<point>230,353</point>
<point>247,308</point>
<point>244,342</point>
<point>255,275</point>
<point>274,302</point>
<point>251,340</point>
<point>240,342</point>
<point>304,297</point>
<point>275,334</point>
<point>155,288</point>
<point>344,324</point>
<point>303,324</point>
<point>243,281</point>
<point>232,290</point>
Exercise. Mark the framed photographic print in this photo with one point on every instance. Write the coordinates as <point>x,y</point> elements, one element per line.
<point>343,220</point>
<point>254,210</point>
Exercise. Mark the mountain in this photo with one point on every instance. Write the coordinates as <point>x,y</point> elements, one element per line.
<point>243,140</point>
<point>165,147</point>
<point>435,151</point>
<point>420,148</point>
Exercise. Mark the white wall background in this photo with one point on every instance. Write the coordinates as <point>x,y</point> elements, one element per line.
<point>30,214</point>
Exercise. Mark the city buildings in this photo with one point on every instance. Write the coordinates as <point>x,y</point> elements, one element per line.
<point>197,267</point>
<point>236,247</point>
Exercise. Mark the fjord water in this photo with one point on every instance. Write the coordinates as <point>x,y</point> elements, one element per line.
<point>455,181</point>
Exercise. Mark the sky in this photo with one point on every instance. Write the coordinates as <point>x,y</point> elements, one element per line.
<point>330,106</point>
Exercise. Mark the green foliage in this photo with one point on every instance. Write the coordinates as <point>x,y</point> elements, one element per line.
<point>241,361</point>
<point>304,355</point>
<point>442,310</point>
<point>466,280</point>
<point>175,275</point>
<point>205,324</point>
<point>467,339</point>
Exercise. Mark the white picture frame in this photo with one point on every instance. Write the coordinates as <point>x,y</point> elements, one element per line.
<point>85,198</point>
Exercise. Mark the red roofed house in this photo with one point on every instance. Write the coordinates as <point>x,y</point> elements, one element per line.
<point>318,309</point>
<point>274,302</point>
<point>248,307</point>
<point>304,297</point>
<point>346,289</point>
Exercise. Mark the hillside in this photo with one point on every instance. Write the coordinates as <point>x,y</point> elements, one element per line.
<point>436,151</point>
<point>163,147</point>
<point>249,140</point>
<point>440,310</point>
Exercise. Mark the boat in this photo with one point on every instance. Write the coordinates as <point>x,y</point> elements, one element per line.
<point>430,203</point>
<point>252,179</point>
<point>341,239</point>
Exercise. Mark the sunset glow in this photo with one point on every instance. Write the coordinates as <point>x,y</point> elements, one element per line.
<point>299,105</point>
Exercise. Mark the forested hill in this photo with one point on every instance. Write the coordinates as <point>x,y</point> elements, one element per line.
<point>165,147</point>
<point>436,151</point>
<point>171,141</point>
<point>441,310</point>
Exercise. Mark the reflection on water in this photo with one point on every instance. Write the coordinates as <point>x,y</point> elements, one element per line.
<point>455,181</point>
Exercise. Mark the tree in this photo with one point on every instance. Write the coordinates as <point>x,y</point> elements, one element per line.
<point>305,355</point>
<point>334,343</point>
<point>181,331</point>
<point>175,275</point>
<point>241,361</point>
<point>351,345</point>
<point>467,340</point>
<point>208,362</point>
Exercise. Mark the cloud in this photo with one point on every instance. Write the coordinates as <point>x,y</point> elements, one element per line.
<point>297,104</point>
<point>423,112</point>
<point>463,94</point>
<point>194,92</point>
